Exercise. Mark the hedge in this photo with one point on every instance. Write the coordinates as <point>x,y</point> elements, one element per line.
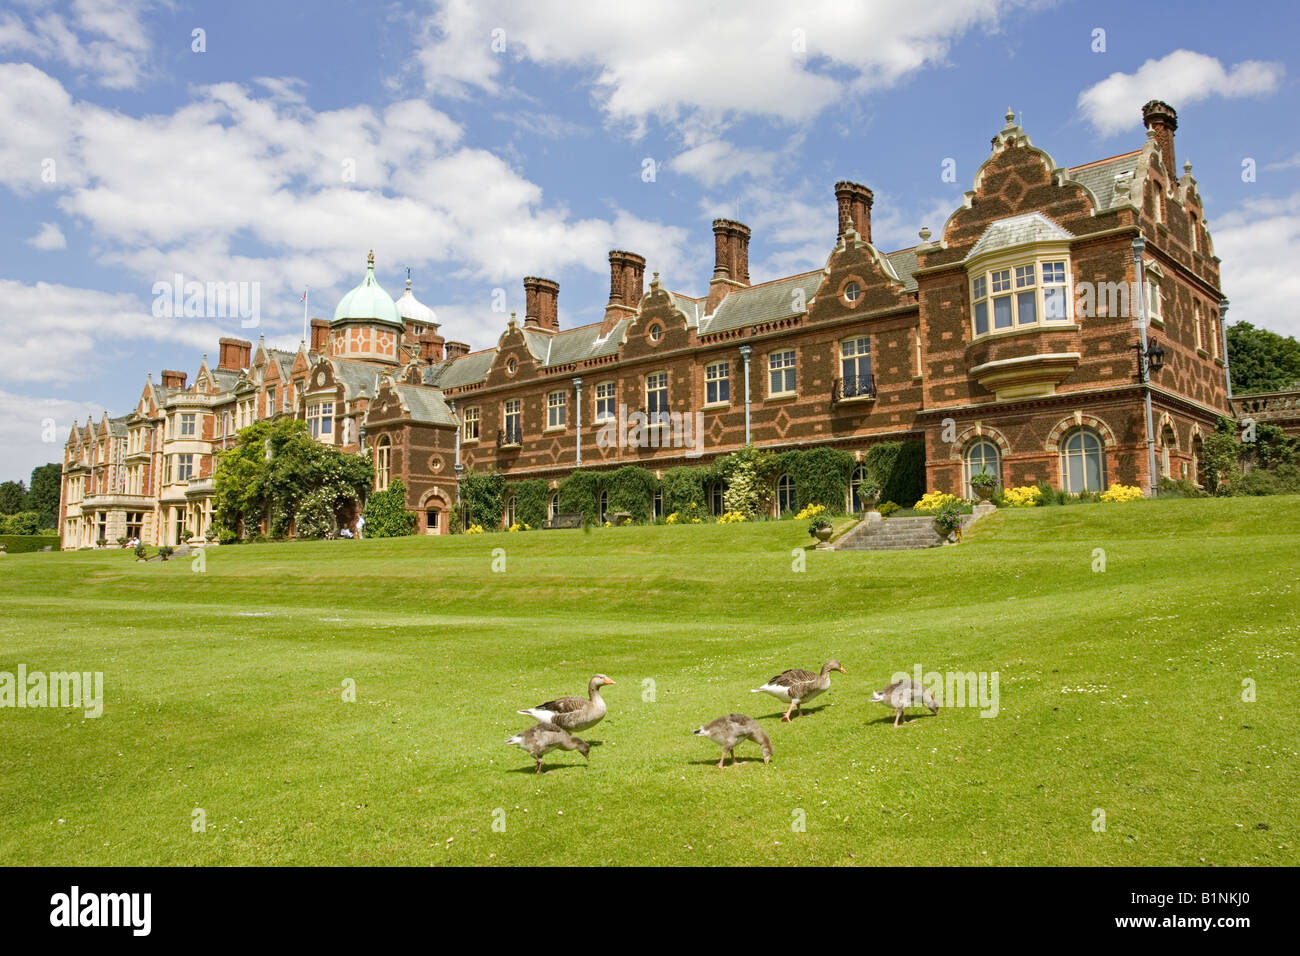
<point>484,495</point>
<point>684,492</point>
<point>386,514</point>
<point>21,543</point>
<point>898,467</point>
<point>580,493</point>
<point>530,501</point>
<point>821,477</point>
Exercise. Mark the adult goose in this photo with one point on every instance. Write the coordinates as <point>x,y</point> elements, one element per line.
<point>573,713</point>
<point>796,686</point>
<point>728,731</point>
<point>903,694</point>
<point>541,739</point>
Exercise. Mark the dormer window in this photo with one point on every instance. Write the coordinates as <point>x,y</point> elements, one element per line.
<point>1029,294</point>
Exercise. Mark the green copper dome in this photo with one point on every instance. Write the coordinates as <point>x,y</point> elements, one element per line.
<point>368,302</point>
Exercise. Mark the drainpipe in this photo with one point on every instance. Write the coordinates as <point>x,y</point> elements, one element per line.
<point>1139,244</point>
<point>577,420</point>
<point>745,352</point>
<point>1223,334</point>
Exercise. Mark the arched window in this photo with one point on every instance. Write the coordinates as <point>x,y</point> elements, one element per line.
<point>785,501</point>
<point>510,511</point>
<point>552,505</point>
<point>982,458</point>
<point>604,506</point>
<point>717,499</point>
<point>1197,475</point>
<point>657,504</point>
<point>1167,443</point>
<point>383,463</point>
<point>855,486</point>
<point>1083,461</point>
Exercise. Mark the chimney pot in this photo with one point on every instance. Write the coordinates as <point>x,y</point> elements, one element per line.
<point>1162,120</point>
<point>540,306</point>
<point>854,201</point>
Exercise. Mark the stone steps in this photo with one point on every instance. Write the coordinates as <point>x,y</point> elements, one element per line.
<point>891,534</point>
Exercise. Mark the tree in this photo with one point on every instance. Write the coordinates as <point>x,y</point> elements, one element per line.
<point>43,493</point>
<point>279,474</point>
<point>386,514</point>
<point>12,494</point>
<point>1260,360</point>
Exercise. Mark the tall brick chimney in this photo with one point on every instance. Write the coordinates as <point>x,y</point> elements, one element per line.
<point>540,304</point>
<point>626,286</point>
<point>431,346</point>
<point>1160,118</point>
<point>730,260</point>
<point>854,201</point>
<point>174,379</point>
<point>456,349</point>
<point>235,355</point>
<point>320,334</point>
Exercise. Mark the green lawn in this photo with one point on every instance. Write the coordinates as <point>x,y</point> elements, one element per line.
<point>1119,690</point>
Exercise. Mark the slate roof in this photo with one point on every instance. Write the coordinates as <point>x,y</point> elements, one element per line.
<point>761,303</point>
<point>359,379</point>
<point>425,404</point>
<point>1016,231</point>
<point>464,370</point>
<point>1100,176</point>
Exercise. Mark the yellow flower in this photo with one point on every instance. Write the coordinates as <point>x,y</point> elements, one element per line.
<point>809,511</point>
<point>671,519</point>
<point>1122,493</point>
<point>1026,496</point>
<point>935,501</point>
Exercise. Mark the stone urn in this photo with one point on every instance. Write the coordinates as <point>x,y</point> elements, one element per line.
<point>983,492</point>
<point>823,534</point>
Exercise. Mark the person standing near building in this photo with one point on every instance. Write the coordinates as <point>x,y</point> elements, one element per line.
<point>361,526</point>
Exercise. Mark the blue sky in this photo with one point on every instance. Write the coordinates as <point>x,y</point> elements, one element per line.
<point>477,143</point>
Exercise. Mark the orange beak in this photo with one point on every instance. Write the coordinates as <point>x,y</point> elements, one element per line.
<point>608,681</point>
<point>843,671</point>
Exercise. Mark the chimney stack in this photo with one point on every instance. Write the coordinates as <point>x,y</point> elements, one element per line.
<point>320,335</point>
<point>540,304</point>
<point>626,278</point>
<point>730,260</point>
<point>173,379</point>
<point>854,201</point>
<point>236,355</point>
<point>456,349</point>
<point>431,346</point>
<point>1160,118</point>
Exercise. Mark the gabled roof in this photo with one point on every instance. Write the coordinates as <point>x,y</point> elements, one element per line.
<point>425,404</point>
<point>464,370</point>
<point>766,302</point>
<point>1018,231</point>
<point>360,379</point>
<point>1099,176</point>
<point>904,264</point>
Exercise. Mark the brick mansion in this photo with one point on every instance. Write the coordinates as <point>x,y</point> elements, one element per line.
<point>1006,344</point>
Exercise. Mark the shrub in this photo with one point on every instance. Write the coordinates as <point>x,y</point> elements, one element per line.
<point>579,493</point>
<point>898,467</point>
<point>748,473</point>
<point>888,508</point>
<point>25,543</point>
<point>1178,488</point>
<point>386,514</point>
<point>227,536</point>
<point>141,551</point>
<point>821,476</point>
<point>936,502</point>
<point>530,501</point>
<point>631,489</point>
<point>315,515</point>
<point>24,522</point>
<point>1122,493</point>
<point>166,551</point>
<point>1026,496</point>
<point>483,495</point>
<point>683,489</point>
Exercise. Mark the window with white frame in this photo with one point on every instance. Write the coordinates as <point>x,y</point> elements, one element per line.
<point>512,419</point>
<point>1023,295</point>
<point>383,463</point>
<point>982,458</point>
<point>605,393</point>
<point>1155,301</point>
<point>469,424</point>
<point>184,467</point>
<point>781,372</point>
<point>270,403</point>
<point>187,425</point>
<point>1083,461</point>
<point>656,395</point>
<point>320,419</point>
<point>855,366</point>
<point>1199,317</point>
<point>717,383</point>
<point>785,496</point>
<point>556,404</point>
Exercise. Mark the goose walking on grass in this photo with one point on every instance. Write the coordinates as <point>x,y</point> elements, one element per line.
<point>796,686</point>
<point>541,739</point>
<point>728,731</point>
<point>903,694</point>
<point>573,713</point>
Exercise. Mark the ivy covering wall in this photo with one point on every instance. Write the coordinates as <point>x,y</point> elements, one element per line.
<point>530,501</point>
<point>898,467</point>
<point>483,495</point>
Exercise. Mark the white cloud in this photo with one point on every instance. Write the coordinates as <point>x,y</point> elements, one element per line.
<point>81,327</point>
<point>48,237</point>
<point>26,423</point>
<point>1180,79</point>
<point>780,58</point>
<point>1259,243</point>
<point>103,38</point>
<point>717,162</point>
